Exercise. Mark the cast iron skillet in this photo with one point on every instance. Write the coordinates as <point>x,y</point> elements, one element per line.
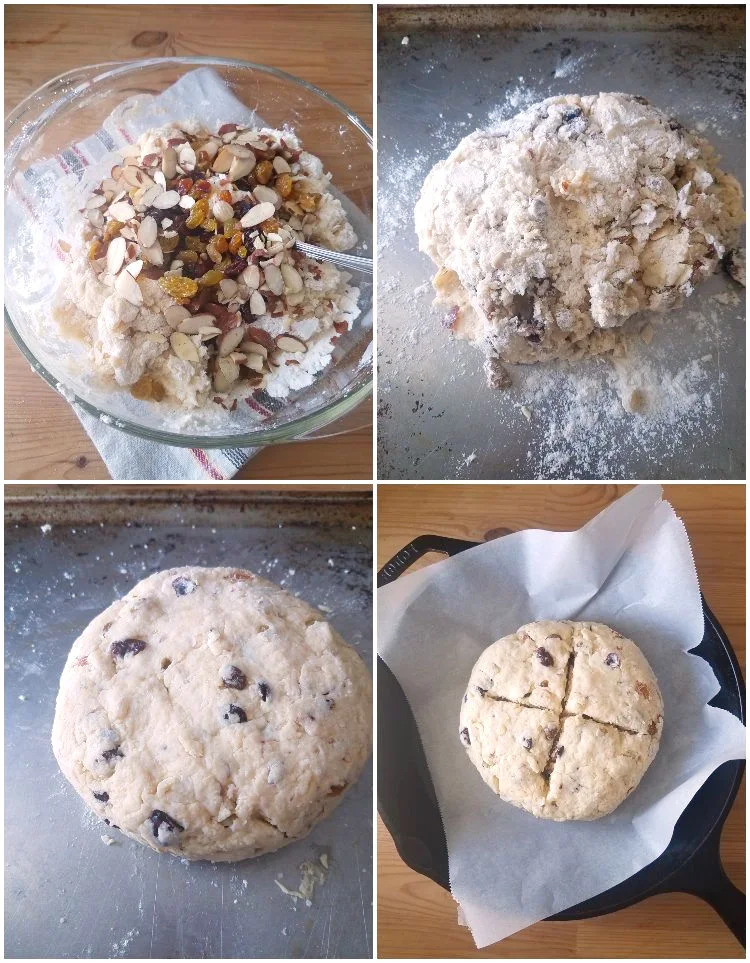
<point>690,864</point>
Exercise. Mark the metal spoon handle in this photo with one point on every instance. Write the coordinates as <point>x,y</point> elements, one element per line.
<point>351,261</point>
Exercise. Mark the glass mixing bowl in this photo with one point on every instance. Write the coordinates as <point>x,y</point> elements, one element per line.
<point>46,180</point>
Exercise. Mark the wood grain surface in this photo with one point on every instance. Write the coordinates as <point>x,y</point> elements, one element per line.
<point>416,918</point>
<point>327,45</point>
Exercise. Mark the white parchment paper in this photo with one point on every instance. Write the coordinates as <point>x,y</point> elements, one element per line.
<point>630,567</point>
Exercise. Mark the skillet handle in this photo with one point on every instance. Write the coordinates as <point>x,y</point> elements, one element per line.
<point>412,552</point>
<point>703,876</point>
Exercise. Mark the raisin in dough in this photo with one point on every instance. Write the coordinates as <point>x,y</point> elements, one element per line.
<point>212,715</point>
<point>562,718</point>
<point>554,228</point>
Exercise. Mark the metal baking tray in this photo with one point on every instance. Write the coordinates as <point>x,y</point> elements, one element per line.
<point>691,863</point>
<point>67,893</point>
<point>445,71</point>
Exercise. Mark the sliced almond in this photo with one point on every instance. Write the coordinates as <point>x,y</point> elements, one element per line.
<point>222,211</point>
<point>169,163</point>
<point>241,167</point>
<point>223,161</point>
<point>230,341</point>
<point>280,165</point>
<point>176,313</point>
<point>210,148</point>
<point>147,231</point>
<point>151,160</point>
<point>254,361</point>
<point>127,287</point>
<point>153,254</point>
<point>116,172</point>
<point>187,202</point>
<point>148,196</point>
<point>134,268</point>
<point>257,304</point>
<point>183,347</point>
<point>251,276</point>
<point>262,193</point>
<point>274,279</point>
<point>128,232</point>
<point>292,300</point>
<point>228,287</point>
<point>130,150</point>
<point>254,347</point>
<point>239,150</point>
<point>254,333</point>
<point>246,137</point>
<point>161,180</point>
<point>123,211</point>
<point>96,200</point>
<point>116,254</point>
<point>166,200</point>
<point>256,215</point>
<point>292,279</point>
<point>132,177</point>
<point>187,157</point>
<point>193,324</point>
<point>227,372</point>
<point>289,342</point>
<point>205,334</point>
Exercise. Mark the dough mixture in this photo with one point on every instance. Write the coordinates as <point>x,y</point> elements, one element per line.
<point>553,230</point>
<point>562,719</point>
<point>212,715</point>
<point>184,282</point>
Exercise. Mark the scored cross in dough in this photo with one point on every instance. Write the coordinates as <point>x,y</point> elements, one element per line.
<point>562,718</point>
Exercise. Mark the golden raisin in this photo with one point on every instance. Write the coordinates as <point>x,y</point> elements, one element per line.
<point>307,202</point>
<point>235,242</point>
<point>242,251</point>
<point>193,243</point>
<point>189,257</point>
<point>221,244</point>
<point>210,225</point>
<point>270,226</point>
<point>211,278</point>
<point>96,250</point>
<point>178,288</point>
<point>169,244</point>
<point>147,388</point>
<point>284,185</point>
<point>230,227</point>
<point>112,229</point>
<point>213,251</point>
<point>200,189</point>
<point>198,213</point>
<point>263,172</point>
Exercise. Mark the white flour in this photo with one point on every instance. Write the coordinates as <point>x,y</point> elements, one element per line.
<point>569,416</point>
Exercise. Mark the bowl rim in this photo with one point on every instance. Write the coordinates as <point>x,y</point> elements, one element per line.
<point>292,430</point>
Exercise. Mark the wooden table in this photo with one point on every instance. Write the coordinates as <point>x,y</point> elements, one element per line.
<point>328,45</point>
<point>416,918</point>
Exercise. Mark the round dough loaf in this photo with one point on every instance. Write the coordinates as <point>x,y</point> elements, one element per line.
<point>562,718</point>
<point>212,715</point>
<point>555,227</point>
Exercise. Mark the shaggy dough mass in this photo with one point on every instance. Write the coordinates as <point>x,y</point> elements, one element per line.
<point>212,715</point>
<point>562,719</point>
<point>554,228</point>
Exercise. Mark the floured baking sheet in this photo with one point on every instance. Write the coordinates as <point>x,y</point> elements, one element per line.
<point>71,894</point>
<point>444,72</point>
